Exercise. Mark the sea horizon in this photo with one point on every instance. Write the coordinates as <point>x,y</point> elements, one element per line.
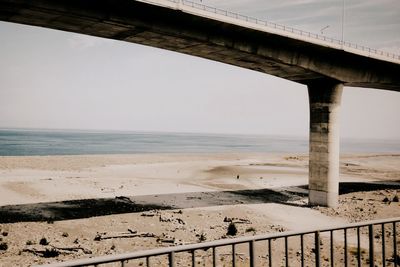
<point>41,142</point>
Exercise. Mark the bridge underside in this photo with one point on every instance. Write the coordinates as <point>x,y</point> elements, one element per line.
<point>182,32</point>
<point>323,69</point>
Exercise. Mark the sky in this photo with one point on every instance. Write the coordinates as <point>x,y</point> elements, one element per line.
<point>59,80</point>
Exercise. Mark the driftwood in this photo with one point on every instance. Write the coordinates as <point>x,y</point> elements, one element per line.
<point>131,234</point>
<point>237,220</point>
<point>178,212</point>
<point>132,231</point>
<point>47,253</point>
<point>123,198</point>
<point>150,213</point>
<point>73,249</point>
<point>166,240</point>
<point>54,251</point>
<point>171,219</point>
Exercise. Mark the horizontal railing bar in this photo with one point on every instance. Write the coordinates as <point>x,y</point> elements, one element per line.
<point>216,243</point>
<point>284,28</point>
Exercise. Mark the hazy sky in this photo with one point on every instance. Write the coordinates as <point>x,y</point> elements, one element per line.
<point>54,79</point>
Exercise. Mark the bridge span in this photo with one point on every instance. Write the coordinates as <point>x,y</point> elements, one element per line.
<point>323,64</point>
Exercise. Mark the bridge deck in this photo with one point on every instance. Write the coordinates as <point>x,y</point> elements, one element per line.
<point>217,35</point>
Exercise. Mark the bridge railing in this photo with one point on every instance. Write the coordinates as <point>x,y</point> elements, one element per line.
<point>285,28</point>
<point>372,243</point>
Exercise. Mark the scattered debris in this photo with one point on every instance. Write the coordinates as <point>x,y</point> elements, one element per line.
<point>171,219</point>
<point>73,249</point>
<point>250,229</point>
<point>53,251</point>
<point>178,212</point>
<point>232,230</point>
<point>277,228</point>
<point>190,198</point>
<point>132,231</point>
<point>237,220</point>
<point>150,213</point>
<point>366,209</point>
<point>123,198</point>
<point>241,256</point>
<point>44,241</point>
<point>129,234</point>
<point>97,237</point>
<point>202,237</point>
<point>166,239</point>
<point>47,253</point>
<point>3,246</point>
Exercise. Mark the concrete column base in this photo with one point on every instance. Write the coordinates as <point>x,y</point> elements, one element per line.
<point>325,98</point>
<point>322,198</point>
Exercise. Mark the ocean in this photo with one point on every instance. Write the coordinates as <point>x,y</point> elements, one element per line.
<point>57,142</point>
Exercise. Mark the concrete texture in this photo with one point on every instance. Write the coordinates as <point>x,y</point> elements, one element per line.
<point>179,28</point>
<point>324,99</point>
<point>323,67</point>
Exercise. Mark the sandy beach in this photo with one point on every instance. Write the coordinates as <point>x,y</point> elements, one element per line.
<point>74,201</point>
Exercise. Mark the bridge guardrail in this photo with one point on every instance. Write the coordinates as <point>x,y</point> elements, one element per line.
<point>357,244</point>
<point>285,28</point>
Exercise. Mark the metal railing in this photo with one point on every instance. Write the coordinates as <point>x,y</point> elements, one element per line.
<point>359,244</point>
<point>284,28</point>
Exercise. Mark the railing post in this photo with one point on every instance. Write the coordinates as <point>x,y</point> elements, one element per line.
<point>371,246</point>
<point>270,252</point>
<point>233,255</point>
<point>302,249</point>
<point>252,253</point>
<point>345,247</point>
<point>171,259</point>
<point>214,257</point>
<point>332,252</point>
<point>383,246</point>
<point>394,245</point>
<point>358,247</point>
<point>121,260</point>
<point>286,252</point>
<point>317,250</point>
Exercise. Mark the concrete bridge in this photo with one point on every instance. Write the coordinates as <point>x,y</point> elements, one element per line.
<point>323,64</point>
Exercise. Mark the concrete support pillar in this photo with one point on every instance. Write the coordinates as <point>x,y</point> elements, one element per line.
<point>325,98</point>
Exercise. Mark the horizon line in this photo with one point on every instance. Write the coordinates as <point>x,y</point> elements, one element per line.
<point>126,131</point>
